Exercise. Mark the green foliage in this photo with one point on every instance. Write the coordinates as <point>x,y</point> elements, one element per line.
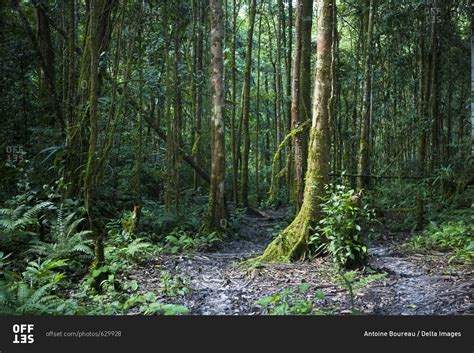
<point>4,263</point>
<point>339,232</point>
<point>456,237</point>
<point>237,216</point>
<point>138,250</point>
<point>179,240</point>
<point>355,280</point>
<point>291,301</point>
<point>32,292</point>
<point>396,201</point>
<point>287,302</point>
<point>65,239</point>
<point>148,305</point>
<point>22,220</point>
<point>159,220</point>
<point>173,286</point>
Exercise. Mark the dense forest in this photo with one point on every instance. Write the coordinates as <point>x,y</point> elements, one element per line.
<point>236,157</point>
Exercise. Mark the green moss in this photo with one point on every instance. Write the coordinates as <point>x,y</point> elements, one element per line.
<point>291,244</point>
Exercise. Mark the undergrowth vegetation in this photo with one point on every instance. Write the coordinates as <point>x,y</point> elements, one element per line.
<point>448,218</point>
<point>455,237</point>
<point>339,232</point>
<point>46,252</point>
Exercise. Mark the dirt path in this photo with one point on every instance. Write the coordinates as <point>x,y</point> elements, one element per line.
<point>218,285</point>
<point>414,291</point>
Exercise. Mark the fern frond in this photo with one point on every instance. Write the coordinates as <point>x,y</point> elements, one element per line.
<point>83,249</point>
<point>31,215</point>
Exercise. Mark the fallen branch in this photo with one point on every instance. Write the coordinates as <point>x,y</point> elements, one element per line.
<point>188,159</point>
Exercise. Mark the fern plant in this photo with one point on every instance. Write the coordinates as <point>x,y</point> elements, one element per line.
<point>18,221</point>
<point>137,250</point>
<point>33,291</point>
<point>67,239</point>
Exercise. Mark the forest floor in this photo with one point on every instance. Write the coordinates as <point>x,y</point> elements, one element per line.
<point>395,282</point>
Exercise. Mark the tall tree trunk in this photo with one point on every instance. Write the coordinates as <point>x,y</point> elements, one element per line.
<point>292,243</point>
<point>305,78</point>
<point>217,214</point>
<point>90,172</point>
<point>234,104</point>
<point>277,83</point>
<point>472,79</point>
<point>45,51</point>
<point>244,177</point>
<point>48,91</point>
<point>177,127</point>
<point>257,110</point>
<point>77,137</point>
<point>295,110</point>
<point>363,165</point>
<point>72,62</point>
<point>198,76</point>
<point>289,83</point>
<point>137,207</point>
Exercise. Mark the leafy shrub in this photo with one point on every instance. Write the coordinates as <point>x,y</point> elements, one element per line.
<point>339,232</point>
<point>172,286</point>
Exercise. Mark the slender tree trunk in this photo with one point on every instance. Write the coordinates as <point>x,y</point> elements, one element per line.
<point>472,79</point>
<point>246,107</point>
<point>363,165</point>
<point>198,93</point>
<point>48,91</point>
<point>72,62</point>
<point>277,83</point>
<point>139,157</point>
<point>90,172</point>
<point>234,104</point>
<point>306,19</point>
<point>257,111</point>
<point>295,110</point>
<point>288,61</point>
<point>217,214</point>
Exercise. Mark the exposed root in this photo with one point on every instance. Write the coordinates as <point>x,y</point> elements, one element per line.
<point>290,245</point>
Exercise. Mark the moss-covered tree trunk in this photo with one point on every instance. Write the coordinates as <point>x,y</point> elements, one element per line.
<point>292,243</point>
<point>77,143</point>
<point>217,213</point>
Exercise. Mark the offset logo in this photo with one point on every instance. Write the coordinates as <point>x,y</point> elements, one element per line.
<point>23,333</point>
